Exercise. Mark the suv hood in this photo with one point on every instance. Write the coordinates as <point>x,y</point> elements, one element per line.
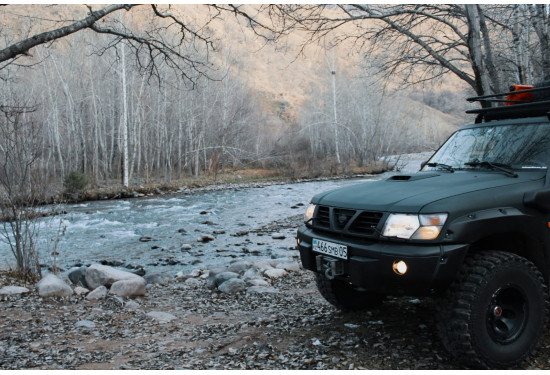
<point>409,193</point>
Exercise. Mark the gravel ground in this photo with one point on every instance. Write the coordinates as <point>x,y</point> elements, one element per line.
<point>183,326</point>
<point>293,329</point>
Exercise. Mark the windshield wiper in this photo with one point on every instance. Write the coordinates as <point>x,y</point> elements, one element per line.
<point>498,166</point>
<point>441,165</point>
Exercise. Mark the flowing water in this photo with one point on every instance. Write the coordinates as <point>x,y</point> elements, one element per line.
<point>150,232</point>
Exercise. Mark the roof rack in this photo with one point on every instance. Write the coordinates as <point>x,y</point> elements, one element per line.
<point>518,104</point>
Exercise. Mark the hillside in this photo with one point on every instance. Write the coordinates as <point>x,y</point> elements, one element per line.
<point>281,74</point>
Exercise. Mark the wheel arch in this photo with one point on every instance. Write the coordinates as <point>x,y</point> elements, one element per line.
<point>506,229</point>
<point>522,244</point>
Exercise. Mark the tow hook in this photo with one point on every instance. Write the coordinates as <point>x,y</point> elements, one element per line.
<point>331,267</point>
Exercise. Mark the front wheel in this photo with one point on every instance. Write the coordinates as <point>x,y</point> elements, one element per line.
<point>494,315</point>
<point>345,296</point>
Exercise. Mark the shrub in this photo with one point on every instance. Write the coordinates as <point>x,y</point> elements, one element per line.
<point>75,182</point>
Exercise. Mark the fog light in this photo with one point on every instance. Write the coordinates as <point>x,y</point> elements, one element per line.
<point>399,267</point>
<point>298,241</point>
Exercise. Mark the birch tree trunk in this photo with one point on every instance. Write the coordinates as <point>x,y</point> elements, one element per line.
<point>124,120</point>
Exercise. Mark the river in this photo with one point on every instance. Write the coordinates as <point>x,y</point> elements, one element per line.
<point>160,234</point>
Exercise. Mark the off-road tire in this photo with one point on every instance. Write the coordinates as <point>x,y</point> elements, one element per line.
<point>345,296</point>
<point>495,313</point>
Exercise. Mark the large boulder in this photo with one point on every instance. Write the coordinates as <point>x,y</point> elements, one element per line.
<point>98,274</point>
<point>77,275</point>
<point>53,286</point>
<point>128,287</point>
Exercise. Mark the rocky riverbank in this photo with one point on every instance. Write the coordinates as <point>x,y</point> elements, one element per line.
<point>187,325</point>
<point>270,316</point>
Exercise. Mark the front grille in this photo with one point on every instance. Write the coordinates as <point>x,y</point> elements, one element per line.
<point>322,218</point>
<point>342,217</point>
<point>347,222</point>
<point>366,223</point>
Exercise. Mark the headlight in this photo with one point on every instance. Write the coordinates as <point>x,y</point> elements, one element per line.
<point>309,213</point>
<point>416,227</point>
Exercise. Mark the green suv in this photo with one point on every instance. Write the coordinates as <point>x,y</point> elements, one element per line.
<point>471,228</point>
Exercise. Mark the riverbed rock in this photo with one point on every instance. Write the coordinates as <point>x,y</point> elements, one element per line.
<point>11,290</point>
<point>77,275</point>
<point>275,273</point>
<point>289,266</point>
<point>53,286</point>
<point>250,274</point>
<point>257,282</point>
<point>205,238</point>
<point>85,324</point>
<point>129,287</point>
<point>239,267</point>
<point>79,290</point>
<point>218,278</point>
<point>157,278</point>
<point>278,236</point>
<point>97,293</point>
<point>263,265</point>
<point>97,275</point>
<point>233,285</point>
<point>161,316</point>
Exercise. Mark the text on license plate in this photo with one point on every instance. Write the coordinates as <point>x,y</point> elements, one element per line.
<point>329,248</point>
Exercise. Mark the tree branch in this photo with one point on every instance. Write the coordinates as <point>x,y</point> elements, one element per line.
<point>23,47</point>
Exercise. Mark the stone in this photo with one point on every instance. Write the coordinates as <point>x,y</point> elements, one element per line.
<point>186,247</point>
<point>250,274</point>
<point>263,265</point>
<point>12,290</point>
<point>85,324</point>
<point>98,275</point>
<point>258,282</point>
<point>131,305</point>
<point>222,277</point>
<point>275,273</point>
<point>79,290</point>
<point>77,275</point>
<point>289,267</point>
<point>262,290</point>
<point>53,286</point>
<point>239,267</point>
<point>205,238</point>
<point>233,285</point>
<point>160,316</point>
<point>278,236</point>
<point>97,293</point>
<point>129,287</point>
<point>156,278</point>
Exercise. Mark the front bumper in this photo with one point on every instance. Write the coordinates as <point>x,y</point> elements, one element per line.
<point>431,268</point>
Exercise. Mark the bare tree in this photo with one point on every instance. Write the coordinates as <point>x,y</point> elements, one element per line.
<point>19,150</point>
<point>419,43</point>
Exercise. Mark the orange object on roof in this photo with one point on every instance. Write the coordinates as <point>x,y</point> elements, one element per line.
<point>521,97</point>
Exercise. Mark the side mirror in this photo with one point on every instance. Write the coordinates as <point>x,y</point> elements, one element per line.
<point>423,164</point>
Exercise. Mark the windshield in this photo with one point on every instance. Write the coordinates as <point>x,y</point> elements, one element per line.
<point>515,146</point>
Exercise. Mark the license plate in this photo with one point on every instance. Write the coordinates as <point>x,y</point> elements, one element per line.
<point>330,248</point>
